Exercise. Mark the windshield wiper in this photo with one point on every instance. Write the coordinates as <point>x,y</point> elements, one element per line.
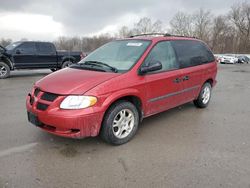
<point>87,67</point>
<point>98,63</point>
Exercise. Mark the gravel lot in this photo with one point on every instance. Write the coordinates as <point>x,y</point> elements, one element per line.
<point>183,147</point>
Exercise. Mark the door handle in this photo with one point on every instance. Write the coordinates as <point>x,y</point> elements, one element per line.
<point>177,80</point>
<point>185,78</point>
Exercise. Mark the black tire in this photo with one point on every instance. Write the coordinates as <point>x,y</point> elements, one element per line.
<point>200,102</point>
<point>4,70</point>
<point>66,64</point>
<point>108,131</point>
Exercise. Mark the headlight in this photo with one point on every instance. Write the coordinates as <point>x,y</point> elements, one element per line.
<point>78,102</point>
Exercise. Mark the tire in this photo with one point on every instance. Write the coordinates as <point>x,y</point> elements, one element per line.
<point>66,64</point>
<point>4,70</point>
<point>204,97</point>
<point>115,129</point>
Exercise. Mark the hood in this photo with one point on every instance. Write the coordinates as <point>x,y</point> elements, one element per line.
<point>73,81</point>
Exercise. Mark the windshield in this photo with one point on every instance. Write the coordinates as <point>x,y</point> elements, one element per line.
<point>13,45</point>
<point>120,55</point>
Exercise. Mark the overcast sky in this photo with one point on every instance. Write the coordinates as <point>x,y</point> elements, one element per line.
<point>48,19</point>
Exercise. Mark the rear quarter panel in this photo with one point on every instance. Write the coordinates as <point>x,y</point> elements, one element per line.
<point>209,71</point>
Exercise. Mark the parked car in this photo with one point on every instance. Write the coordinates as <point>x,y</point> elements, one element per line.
<point>228,59</point>
<point>111,90</point>
<point>243,59</point>
<point>34,55</point>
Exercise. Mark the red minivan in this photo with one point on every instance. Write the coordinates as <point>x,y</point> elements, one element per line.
<point>111,90</point>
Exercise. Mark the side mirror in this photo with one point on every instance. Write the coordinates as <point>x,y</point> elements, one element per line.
<point>153,66</point>
<point>18,51</point>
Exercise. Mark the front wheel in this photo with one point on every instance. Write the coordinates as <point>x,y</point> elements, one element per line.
<point>120,123</point>
<point>204,96</point>
<point>4,70</point>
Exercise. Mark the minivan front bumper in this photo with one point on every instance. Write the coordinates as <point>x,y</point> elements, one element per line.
<point>66,123</point>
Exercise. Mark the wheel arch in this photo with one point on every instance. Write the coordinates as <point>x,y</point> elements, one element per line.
<point>7,61</point>
<point>132,97</point>
<point>68,58</point>
<point>210,81</point>
<point>135,100</point>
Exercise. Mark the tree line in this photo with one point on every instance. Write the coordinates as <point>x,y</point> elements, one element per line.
<point>226,33</point>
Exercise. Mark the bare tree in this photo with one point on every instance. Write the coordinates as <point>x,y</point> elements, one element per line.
<point>124,32</point>
<point>202,21</point>
<point>182,24</point>
<point>240,17</point>
<point>219,34</point>
<point>62,43</point>
<point>85,44</point>
<point>5,42</point>
<point>145,25</point>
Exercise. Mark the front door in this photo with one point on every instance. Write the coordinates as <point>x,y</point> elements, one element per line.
<point>25,55</point>
<point>163,87</point>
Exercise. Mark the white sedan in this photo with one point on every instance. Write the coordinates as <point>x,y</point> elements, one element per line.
<point>225,59</point>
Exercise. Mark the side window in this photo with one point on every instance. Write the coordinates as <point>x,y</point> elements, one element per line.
<point>45,48</point>
<point>27,48</point>
<point>164,53</point>
<point>192,53</point>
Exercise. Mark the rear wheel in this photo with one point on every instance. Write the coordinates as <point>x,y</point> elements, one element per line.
<point>4,70</point>
<point>204,96</point>
<point>120,123</point>
<point>66,64</point>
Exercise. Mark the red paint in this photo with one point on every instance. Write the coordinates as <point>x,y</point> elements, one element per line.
<point>109,87</point>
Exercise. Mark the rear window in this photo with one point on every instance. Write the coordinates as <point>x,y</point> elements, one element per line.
<point>45,48</point>
<point>192,53</point>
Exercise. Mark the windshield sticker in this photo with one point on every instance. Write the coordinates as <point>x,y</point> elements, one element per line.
<point>136,44</point>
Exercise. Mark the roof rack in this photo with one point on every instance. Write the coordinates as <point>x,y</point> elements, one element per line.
<point>182,36</point>
<point>148,34</point>
<point>162,34</point>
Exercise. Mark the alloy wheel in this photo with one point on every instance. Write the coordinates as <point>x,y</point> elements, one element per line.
<point>3,70</point>
<point>206,95</point>
<point>123,123</point>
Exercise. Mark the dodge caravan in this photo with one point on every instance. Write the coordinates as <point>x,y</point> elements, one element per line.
<point>114,88</point>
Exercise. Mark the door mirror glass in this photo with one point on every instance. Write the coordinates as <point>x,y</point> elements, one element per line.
<point>153,66</point>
